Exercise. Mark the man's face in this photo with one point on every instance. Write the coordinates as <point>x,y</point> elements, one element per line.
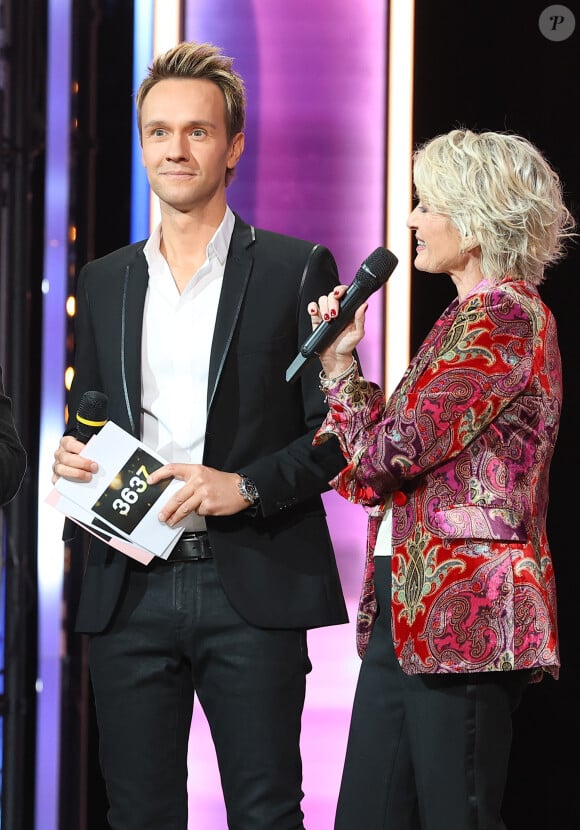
<point>185,148</point>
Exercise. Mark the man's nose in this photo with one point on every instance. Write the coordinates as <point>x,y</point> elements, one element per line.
<point>178,147</point>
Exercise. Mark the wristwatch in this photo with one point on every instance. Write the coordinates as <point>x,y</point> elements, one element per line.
<point>248,489</point>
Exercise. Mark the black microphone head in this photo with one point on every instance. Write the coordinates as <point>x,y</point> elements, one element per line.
<point>91,414</point>
<point>377,268</point>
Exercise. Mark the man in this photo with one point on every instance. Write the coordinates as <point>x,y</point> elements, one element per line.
<point>12,453</point>
<point>189,335</point>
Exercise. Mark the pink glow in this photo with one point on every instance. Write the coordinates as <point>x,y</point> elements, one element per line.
<point>314,166</point>
<point>325,724</point>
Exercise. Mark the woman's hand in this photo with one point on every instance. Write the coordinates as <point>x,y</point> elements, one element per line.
<point>337,357</point>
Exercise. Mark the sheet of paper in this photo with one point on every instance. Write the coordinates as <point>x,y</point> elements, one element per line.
<point>118,501</point>
<point>88,522</point>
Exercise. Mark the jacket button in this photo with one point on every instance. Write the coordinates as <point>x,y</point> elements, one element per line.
<point>400,498</point>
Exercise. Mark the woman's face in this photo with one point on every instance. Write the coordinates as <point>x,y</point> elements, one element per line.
<point>438,248</point>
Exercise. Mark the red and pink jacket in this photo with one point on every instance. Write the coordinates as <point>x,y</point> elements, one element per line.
<point>463,446</point>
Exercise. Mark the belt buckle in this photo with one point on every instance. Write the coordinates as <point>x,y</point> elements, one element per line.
<point>191,548</point>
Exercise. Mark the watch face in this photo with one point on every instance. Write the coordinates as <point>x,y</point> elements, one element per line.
<point>248,489</point>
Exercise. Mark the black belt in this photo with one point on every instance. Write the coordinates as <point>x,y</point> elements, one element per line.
<point>191,547</point>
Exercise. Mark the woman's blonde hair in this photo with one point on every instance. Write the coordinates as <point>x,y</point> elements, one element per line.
<point>502,195</point>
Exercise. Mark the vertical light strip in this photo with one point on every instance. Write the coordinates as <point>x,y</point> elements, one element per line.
<point>166,25</point>
<point>166,33</point>
<point>54,287</point>
<point>399,191</point>
<point>142,51</point>
<point>156,28</point>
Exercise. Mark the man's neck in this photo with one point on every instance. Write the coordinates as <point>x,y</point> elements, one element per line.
<point>184,240</point>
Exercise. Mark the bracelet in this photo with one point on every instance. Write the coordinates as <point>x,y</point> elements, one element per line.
<point>326,383</point>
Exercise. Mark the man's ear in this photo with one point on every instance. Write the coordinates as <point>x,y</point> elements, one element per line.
<point>236,150</point>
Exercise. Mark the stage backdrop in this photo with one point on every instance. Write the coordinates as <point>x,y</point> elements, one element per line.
<point>314,166</point>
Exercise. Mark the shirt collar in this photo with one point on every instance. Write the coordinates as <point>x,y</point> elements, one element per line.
<point>220,242</point>
<point>218,245</point>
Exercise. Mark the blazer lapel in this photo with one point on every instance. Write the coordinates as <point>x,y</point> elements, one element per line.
<point>236,275</point>
<point>135,281</point>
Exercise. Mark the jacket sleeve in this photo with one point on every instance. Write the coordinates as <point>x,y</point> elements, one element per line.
<point>300,470</point>
<point>12,452</point>
<point>485,375</point>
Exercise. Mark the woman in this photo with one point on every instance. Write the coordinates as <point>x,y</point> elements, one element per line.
<point>458,606</point>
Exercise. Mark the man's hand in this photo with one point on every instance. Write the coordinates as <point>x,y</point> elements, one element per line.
<point>206,492</point>
<point>69,464</point>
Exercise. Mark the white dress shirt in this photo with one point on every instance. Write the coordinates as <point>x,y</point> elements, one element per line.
<point>385,534</point>
<point>175,350</point>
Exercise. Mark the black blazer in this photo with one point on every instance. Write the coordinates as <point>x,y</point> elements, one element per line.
<point>12,453</point>
<point>277,567</point>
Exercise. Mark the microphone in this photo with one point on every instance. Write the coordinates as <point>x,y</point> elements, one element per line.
<point>373,273</point>
<point>91,415</point>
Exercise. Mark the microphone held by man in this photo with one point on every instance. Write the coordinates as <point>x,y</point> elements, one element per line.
<point>91,415</point>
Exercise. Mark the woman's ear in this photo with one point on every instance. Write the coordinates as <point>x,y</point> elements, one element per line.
<point>468,243</point>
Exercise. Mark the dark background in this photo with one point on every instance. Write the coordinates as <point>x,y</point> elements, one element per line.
<point>479,65</point>
<point>487,66</point>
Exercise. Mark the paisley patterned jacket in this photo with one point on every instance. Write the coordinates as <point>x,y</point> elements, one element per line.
<point>463,446</point>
